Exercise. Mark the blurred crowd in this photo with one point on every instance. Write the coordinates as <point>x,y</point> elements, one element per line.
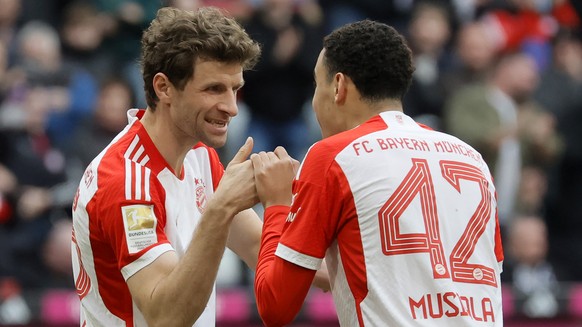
<point>504,76</point>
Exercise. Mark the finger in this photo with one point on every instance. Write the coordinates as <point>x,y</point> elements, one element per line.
<point>283,155</point>
<point>264,157</point>
<point>281,152</point>
<point>257,162</point>
<point>272,157</point>
<point>243,152</point>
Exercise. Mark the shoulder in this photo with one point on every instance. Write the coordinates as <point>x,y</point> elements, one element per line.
<point>126,169</point>
<point>203,152</point>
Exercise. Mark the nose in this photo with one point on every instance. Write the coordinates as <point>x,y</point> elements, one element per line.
<point>229,104</point>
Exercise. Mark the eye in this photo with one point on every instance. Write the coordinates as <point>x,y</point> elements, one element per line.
<point>217,88</point>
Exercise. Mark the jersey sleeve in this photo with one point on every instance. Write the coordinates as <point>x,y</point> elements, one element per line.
<point>132,220</point>
<point>315,212</point>
<point>278,300</point>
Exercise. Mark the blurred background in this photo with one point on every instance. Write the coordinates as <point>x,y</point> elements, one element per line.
<point>504,76</point>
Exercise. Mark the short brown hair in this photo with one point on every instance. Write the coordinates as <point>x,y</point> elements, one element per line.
<point>176,38</point>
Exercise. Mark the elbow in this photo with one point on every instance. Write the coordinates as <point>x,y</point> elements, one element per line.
<point>275,318</point>
<point>272,312</point>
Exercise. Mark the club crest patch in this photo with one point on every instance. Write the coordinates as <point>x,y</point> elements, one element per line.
<point>200,194</point>
<point>140,226</point>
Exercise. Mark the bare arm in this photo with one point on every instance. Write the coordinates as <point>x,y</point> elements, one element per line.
<point>174,292</point>
<point>245,237</point>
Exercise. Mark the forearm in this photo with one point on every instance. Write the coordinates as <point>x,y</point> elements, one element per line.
<point>278,299</point>
<point>172,302</point>
<point>245,237</point>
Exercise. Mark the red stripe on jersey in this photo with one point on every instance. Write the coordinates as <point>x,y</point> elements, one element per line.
<point>117,186</point>
<point>111,284</point>
<point>498,244</point>
<point>83,282</point>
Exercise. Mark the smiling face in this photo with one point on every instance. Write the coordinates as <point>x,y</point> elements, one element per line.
<point>203,109</point>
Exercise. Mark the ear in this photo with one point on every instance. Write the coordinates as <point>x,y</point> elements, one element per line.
<point>341,88</point>
<point>162,87</point>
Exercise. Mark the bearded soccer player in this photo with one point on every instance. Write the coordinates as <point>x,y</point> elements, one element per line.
<point>405,216</point>
<point>156,208</point>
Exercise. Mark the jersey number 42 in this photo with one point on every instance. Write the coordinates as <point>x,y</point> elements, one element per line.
<point>418,181</point>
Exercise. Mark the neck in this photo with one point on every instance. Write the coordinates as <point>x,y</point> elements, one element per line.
<point>172,149</point>
<point>366,110</point>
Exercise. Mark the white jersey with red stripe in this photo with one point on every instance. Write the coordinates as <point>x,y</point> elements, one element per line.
<point>406,219</point>
<point>129,209</point>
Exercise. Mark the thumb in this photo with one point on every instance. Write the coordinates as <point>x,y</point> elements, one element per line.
<point>243,152</point>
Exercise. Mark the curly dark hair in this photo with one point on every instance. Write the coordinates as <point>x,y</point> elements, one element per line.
<point>374,55</point>
<point>176,38</point>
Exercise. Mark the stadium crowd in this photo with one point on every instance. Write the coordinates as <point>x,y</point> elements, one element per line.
<point>504,76</point>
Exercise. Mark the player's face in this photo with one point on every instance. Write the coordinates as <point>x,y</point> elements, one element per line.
<point>323,98</point>
<point>203,110</point>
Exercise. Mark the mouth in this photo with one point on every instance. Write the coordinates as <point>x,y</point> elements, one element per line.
<point>217,123</point>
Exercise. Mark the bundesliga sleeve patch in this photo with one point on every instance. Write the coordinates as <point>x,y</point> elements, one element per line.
<point>140,226</point>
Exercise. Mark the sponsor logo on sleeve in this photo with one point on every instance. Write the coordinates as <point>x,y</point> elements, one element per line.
<point>140,226</point>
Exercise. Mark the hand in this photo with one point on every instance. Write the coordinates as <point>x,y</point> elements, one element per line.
<point>274,174</point>
<point>287,46</point>
<point>33,201</point>
<point>237,186</point>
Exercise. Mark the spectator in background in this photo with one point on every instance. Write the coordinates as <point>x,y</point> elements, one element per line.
<point>473,56</point>
<point>532,191</point>
<point>529,25</point>
<point>279,87</point>
<point>108,119</point>
<point>9,15</point>
<point>40,199</point>
<point>82,34</point>
<point>66,92</point>
<point>123,22</point>
<point>560,92</point>
<point>533,279</point>
<point>8,76</point>
<point>341,12</point>
<point>8,185</point>
<point>429,33</point>
<point>503,122</point>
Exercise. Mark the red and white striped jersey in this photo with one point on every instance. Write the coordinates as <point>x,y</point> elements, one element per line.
<point>129,209</point>
<point>406,219</point>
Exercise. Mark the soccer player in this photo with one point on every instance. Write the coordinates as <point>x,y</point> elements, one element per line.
<point>405,216</point>
<point>156,208</point>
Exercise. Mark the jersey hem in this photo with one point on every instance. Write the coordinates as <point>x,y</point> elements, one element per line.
<point>147,258</point>
<point>297,258</point>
